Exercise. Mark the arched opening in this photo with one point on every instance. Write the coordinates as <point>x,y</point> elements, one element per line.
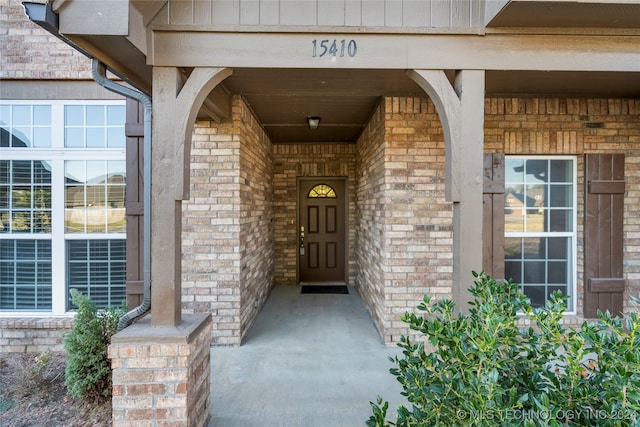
<point>366,116</point>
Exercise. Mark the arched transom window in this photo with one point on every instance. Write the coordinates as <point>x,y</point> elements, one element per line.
<point>322,190</point>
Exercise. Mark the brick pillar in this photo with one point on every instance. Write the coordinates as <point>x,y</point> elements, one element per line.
<point>161,374</point>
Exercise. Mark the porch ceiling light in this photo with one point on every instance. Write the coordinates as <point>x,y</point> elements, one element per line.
<point>314,122</point>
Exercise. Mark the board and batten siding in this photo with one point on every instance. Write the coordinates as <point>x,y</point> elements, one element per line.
<point>349,13</point>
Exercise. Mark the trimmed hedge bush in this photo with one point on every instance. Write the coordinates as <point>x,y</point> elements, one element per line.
<point>486,370</point>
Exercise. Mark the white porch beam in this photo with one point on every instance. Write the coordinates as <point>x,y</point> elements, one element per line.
<point>461,111</point>
<point>175,106</point>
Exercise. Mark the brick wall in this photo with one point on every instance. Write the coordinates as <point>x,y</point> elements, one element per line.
<point>370,217</point>
<point>418,221</point>
<point>256,218</point>
<point>29,52</point>
<point>575,127</point>
<point>297,160</point>
<point>33,335</point>
<point>227,227</point>
<point>211,229</point>
<point>404,224</point>
<point>161,375</point>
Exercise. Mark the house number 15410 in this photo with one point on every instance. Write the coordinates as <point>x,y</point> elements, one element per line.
<point>338,48</point>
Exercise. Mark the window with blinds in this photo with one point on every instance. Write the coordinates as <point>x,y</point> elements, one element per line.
<point>97,269</point>
<point>62,213</point>
<point>25,274</point>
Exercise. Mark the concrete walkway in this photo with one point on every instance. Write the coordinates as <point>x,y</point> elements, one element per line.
<point>309,360</point>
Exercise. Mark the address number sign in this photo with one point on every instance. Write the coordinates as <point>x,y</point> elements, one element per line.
<point>335,48</point>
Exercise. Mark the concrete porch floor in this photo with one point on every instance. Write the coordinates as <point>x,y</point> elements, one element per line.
<point>310,360</point>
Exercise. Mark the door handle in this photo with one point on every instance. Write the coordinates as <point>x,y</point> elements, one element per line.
<point>301,245</point>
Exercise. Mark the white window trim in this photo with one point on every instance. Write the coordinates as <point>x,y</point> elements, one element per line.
<point>57,154</point>
<point>573,274</point>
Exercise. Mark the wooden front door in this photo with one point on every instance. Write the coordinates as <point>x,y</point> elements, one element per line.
<point>321,230</point>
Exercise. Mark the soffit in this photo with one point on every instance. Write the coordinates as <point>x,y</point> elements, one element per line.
<point>282,99</point>
<point>552,13</point>
<point>344,99</point>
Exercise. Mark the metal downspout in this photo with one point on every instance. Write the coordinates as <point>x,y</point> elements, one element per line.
<point>43,15</point>
<point>99,74</point>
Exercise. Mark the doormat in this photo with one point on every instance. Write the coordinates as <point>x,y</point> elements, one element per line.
<point>324,289</point>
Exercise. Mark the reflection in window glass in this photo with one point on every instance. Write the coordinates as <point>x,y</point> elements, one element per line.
<point>42,115</point>
<point>561,196</point>
<point>561,171</point>
<point>25,196</point>
<point>21,115</point>
<point>115,115</point>
<point>95,196</point>
<point>73,115</point>
<point>115,138</point>
<point>5,115</point>
<point>74,138</point>
<point>96,115</point>
<point>539,225</point>
<point>24,126</point>
<point>535,203</point>
<point>95,138</point>
<point>94,126</point>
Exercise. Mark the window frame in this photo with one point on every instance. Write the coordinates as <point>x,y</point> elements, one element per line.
<point>572,274</point>
<point>57,154</point>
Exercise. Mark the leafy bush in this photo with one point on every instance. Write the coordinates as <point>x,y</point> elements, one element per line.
<point>485,370</point>
<point>88,371</point>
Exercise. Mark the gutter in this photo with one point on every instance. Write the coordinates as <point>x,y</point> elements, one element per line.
<point>99,74</point>
<point>45,17</point>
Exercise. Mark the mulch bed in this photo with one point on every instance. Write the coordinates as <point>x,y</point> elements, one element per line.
<point>43,401</point>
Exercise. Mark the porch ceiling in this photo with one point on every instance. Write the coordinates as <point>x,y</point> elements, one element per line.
<point>572,13</point>
<point>344,99</point>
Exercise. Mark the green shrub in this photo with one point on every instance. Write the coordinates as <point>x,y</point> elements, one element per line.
<point>88,371</point>
<point>485,370</point>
